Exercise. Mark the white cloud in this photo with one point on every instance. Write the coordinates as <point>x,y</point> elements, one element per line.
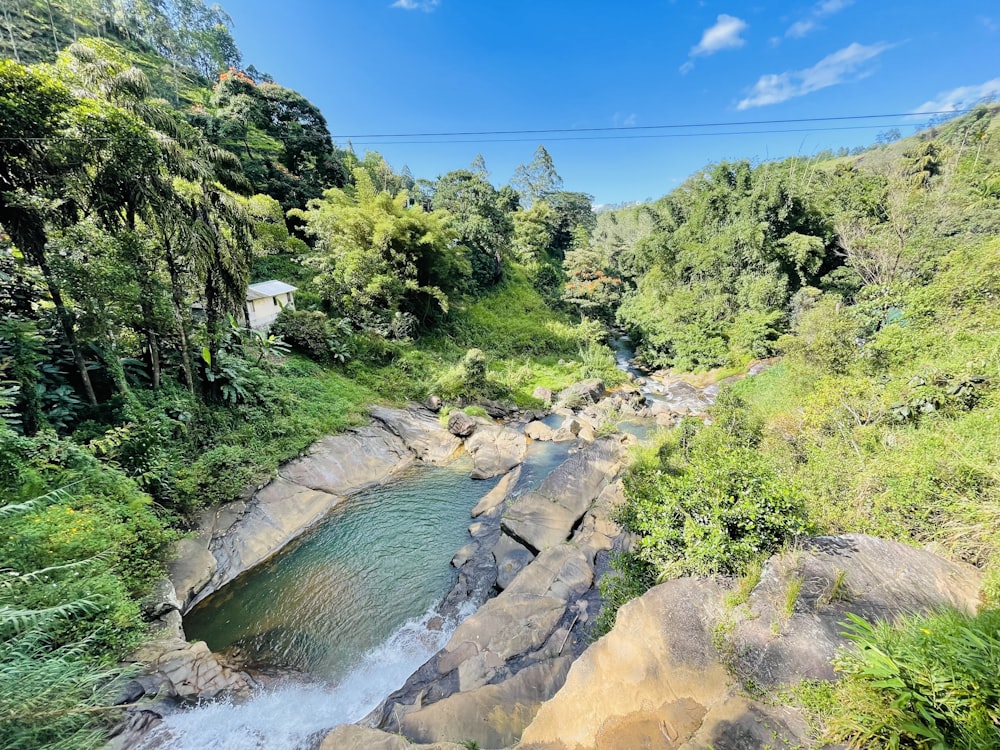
<point>839,67</point>
<point>686,68</point>
<point>725,34</point>
<point>960,98</point>
<point>625,121</point>
<point>829,7</point>
<point>805,26</point>
<point>425,5</point>
<point>800,28</point>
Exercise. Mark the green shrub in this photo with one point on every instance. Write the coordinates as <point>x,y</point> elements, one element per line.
<point>723,508</point>
<point>217,476</point>
<point>313,334</point>
<point>928,682</point>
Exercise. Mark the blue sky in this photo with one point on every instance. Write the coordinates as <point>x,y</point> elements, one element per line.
<point>447,66</point>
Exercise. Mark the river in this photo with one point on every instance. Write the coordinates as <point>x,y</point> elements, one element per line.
<point>352,607</point>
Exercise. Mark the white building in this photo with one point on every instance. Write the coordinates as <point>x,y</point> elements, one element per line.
<point>265,300</point>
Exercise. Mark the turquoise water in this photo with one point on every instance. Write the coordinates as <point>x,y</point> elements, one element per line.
<point>353,604</point>
<point>380,560</point>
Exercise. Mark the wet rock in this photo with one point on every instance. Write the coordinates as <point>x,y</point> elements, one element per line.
<point>178,669</point>
<point>465,554</point>
<point>420,431</point>
<point>461,424</point>
<point>538,431</point>
<point>495,497</point>
<point>495,449</point>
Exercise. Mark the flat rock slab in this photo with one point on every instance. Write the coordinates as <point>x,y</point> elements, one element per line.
<point>493,715</point>
<point>656,666</point>
<point>344,464</point>
<point>879,580</point>
<point>546,517</point>
<point>495,497</point>
<point>562,572</point>
<point>510,558</point>
<point>507,626</point>
<point>353,737</point>
<point>495,450</point>
<point>421,432</point>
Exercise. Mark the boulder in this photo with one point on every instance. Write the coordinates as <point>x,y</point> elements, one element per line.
<point>497,410</point>
<point>538,431</point>
<point>495,449</point>
<point>178,669</point>
<point>495,497</point>
<point>584,392</point>
<point>543,394</point>
<point>547,516</point>
<point>461,424</point>
<point>420,431</point>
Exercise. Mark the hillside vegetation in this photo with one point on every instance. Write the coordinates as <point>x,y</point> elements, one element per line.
<point>147,178</point>
<point>877,278</point>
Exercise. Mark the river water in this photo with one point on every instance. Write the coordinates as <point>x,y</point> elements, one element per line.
<point>352,606</point>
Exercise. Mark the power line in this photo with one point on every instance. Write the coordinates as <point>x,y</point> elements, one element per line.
<point>621,137</point>
<point>739,123</point>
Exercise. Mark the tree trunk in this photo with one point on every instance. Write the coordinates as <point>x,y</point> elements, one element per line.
<point>69,329</point>
<point>10,33</point>
<point>52,25</point>
<point>29,235</point>
<point>180,316</point>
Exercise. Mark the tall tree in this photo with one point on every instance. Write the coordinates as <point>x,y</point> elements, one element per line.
<point>38,158</point>
<point>536,180</point>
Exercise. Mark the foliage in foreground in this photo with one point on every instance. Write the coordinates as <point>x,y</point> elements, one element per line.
<point>927,682</point>
<point>62,622</point>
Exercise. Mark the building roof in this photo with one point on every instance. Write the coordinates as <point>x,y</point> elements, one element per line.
<point>269,289</point>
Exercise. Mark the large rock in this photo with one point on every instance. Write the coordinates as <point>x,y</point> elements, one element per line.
<point>420,430</point>
<point>178,669</point>
<point>538,431</point>
<point>495,450</point>
<point>584,392</point>
<point>653,682</point>
<point>878,580</point>
<point>546,517</point>
<point>353,737</point>
<point>493,716</point>
<point>346,463</point>
<point>495,497</point>
<point>461,424</point>
<point>657,680</point>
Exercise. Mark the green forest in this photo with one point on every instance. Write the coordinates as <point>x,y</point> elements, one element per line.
<point>147,178</point>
